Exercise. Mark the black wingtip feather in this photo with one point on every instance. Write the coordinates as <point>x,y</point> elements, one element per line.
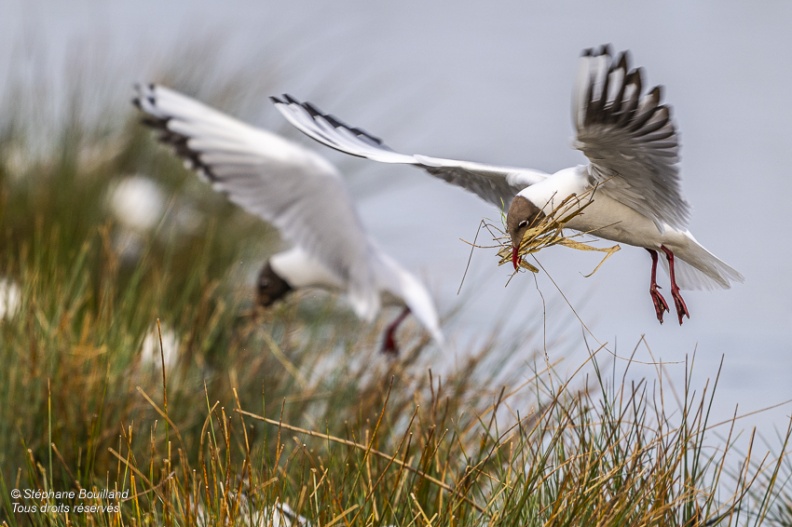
<point>639,121</point>
<point>637,79</point>
<point>623,62</point>
<point>660,91</point>
<point>335,121</point>
<point>312,110</point>
<point>179,142</point>
<point>338,123</point>
<point>627,111</point>
<point>661,117</point>
<point>315,113</point>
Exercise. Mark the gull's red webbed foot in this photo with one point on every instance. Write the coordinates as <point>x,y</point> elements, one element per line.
<point>679,303</point>
<point>660,304</point>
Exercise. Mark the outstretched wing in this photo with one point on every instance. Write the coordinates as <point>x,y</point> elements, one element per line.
<point>293,188</point>
<point>629,138</point>
<point>495,184</point>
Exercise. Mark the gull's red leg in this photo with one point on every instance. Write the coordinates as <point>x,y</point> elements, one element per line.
<point>659,302</point>
<point>389,342</point>
<point>679,303</point>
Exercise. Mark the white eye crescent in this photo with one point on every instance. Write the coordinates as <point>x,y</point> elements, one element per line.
<point>522,224</point>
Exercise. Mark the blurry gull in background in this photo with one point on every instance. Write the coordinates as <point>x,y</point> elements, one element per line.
<point>629,190</point>
<point>301,194</point>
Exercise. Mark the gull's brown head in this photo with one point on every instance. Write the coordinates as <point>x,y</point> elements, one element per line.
<point>271,287</point>
<point>522,215</point>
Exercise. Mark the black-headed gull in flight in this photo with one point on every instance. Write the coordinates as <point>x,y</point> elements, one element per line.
<point>631,184</point>
<point>300,193</point>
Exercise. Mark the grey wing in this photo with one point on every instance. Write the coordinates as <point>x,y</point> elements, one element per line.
<point>495,184</point>
<point>296,190</point>
<point>629,138</point>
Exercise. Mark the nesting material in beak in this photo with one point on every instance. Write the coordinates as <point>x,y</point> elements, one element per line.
<point>547,231</point>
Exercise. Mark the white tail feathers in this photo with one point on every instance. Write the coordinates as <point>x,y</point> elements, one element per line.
<point>697,268</point>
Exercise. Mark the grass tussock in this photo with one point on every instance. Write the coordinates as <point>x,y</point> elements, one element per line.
<point>138,376</point>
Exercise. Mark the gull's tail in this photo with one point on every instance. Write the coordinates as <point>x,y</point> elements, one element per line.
<point>697,268</point>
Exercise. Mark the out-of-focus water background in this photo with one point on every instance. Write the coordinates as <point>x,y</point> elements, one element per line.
<point>492,82</point>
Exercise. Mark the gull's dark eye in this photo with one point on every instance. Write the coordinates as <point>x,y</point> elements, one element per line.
<point>522,224</point>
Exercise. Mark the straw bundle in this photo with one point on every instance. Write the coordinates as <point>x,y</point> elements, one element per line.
<point>549,231</point>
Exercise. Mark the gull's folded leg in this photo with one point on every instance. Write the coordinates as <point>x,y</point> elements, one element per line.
<point>679,303</point>
<point>659,302</point>
<point>389,342</point>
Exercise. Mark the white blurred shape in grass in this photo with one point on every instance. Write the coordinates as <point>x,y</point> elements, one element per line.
<point>150,350</point>
<point>279,515</point>
<point>137,202</point>
<point>10,298</point>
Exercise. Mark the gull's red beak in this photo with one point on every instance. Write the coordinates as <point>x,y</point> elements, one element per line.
<point>516,257</point>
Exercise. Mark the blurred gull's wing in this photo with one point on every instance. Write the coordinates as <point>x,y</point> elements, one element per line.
<point>629,138</point>
<point>495,184</point>
<point>287,185</point>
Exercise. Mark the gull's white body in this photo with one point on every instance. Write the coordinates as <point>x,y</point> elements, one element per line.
<point>603,216</point>
<point>608,218</point>
<point>301,270</point>
<point>300,193</point>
